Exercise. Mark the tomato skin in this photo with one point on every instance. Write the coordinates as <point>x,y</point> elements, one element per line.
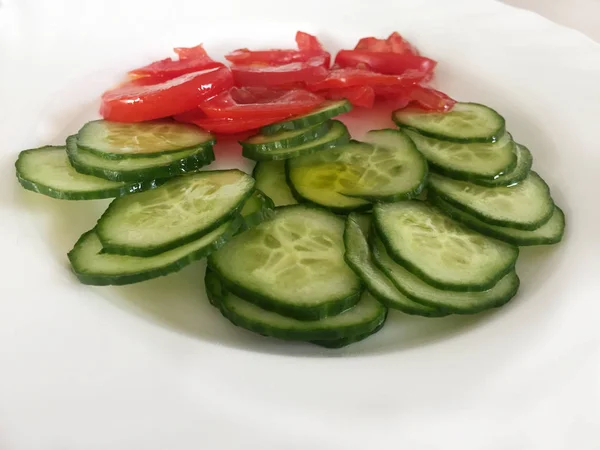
<point>310,44</point>
<point>357,95</point>
<point>386,63</point>
<point>347,77</point>
<point>297,72</point>
<point>191,52</point>
<point>394,43</point>
<point>251,103</point>
<point>134,103</point>
<point>419,96</point>
<point>227,125</point>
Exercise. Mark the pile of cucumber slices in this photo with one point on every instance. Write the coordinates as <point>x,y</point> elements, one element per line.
<point>328,233</point>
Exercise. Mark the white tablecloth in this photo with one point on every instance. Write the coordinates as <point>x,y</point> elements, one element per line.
<point>582,15</point>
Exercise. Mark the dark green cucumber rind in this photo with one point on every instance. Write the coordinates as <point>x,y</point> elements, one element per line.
<point>303,136</point>
<point>192,163</point>
<point>334,209</point>
<point>520,238</point>
<point>530,226</point>
<point>343,342</point>
<point>155,250</point>
<point>321,114</point>
<point>342,137</point>
<point>300,312</point>
<point>120,280</point>
<point>403,304</point>
<point>452,307</point>
<point>491,138</point>
<point>515,175</point>
<point>255,217</point>
<point>77,195</point>
<point>481,286</point>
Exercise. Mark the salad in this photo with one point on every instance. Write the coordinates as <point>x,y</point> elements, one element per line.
<point>329,232</point>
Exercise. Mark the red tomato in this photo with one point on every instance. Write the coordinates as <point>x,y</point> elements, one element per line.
<point>310,44</point>
<point>260,102</point>
<point>297,72</point>
<point>133,103</point>
<point>394,44</point>
<point>357,95</point>
<point>226,125</point>
<point>191,52</point>
<point>420,96</point>
<point>385,62</point>
<point>343,78</point>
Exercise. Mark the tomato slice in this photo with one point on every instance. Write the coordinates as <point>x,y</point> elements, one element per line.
<point>227,125</point>
<point>421,96</point>
<point>394,43</point>
<point>286,74</point>
<point>134,103</point>
<point>357,95</point>
<point>191,52</point>
<point>385,62</point>
<point>347,77</point>
<point>251,102</point>
<point>309,44</point>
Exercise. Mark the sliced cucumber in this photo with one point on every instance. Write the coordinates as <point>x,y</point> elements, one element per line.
<point>358,256</point>
<point>292,264</point>
<point>457,302</point>
<point>524,206</point>
<point>343,342</point>
<point>46,170</point>
<point>257,209</point>
<point>325,112</point>
<point>466,122</point>
<point>93,266</point>
<point>549,233</point>
<point>138,169</point>
<point>516,175</point>
<point>270,178</point>
<point>337,135</point>
<point>466,161</point>
<point>179,211</point>
<point>365,317</point>
<point>439,250</point>
<point>285,139</point>
<point>117,140</point>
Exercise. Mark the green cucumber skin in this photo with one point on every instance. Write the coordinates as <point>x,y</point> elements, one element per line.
<point>152,251</point>
<point>476,225</point>
<point>121,280</point>
<point>344,342</point>
<point>483,286</point>
<point>297,312</point>
<point>214,291</point>
<point>300,199</point>
<point>306,120</point>
<point>493,138</point>
<point>267,156</point>
<point>117,157</point>
<point>310,134</point>
<point>501,223</point>
<point>186,165</point>
<point>506,180</point>
<point>256,218</point>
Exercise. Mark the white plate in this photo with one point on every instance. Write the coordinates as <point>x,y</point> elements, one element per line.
<point>153,366</point>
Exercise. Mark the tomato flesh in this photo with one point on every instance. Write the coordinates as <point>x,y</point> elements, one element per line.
<point>386,63</point>
<point>297,72</point>
<point>347,77</point>
<point>134,103</point>
<point>420,96</point>
<point>357,95</point>
<point>227,125</point>
<point>394,43</point>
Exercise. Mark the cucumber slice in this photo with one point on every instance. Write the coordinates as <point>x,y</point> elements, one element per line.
<point>138,169</point>
<point>550,233</point>
<point>93,266</point>
<point>285,139</point>
<point>343,342</point>
<point>117,140</point>
<point>439,250</point>
<point>293,264</point>
<point>516,175</point>
<point>337,135</point>
<point>365,317</point>
<point>179,211</point>
<point>46,170</point>
<point>466,161</point>
<point>257,209</point>
<point>524,206</point>
<point>325,112</point>
<point>319,188</point>
<point>270,178</point>
<point>358,257</point>
<point>456,302</point>
<point>466,122</point>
